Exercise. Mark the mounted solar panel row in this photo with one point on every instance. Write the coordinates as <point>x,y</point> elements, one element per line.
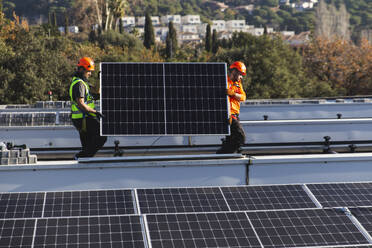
<point>282,228</point>
<point>164,99</point>
<point>179,200</point>
<point>182,200</point>
<point>69,203</point>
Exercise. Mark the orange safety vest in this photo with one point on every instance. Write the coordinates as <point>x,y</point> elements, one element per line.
<point>237,87</point>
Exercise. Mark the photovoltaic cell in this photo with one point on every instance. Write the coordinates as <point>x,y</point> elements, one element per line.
<point>343,194</point>
<point>267,197</point>
<point>107,231</point>
<point>88,203</point>
<point>21,205</point>
<point>164,98</point>
<point>178,200</point>
<point>223,229</point>
<point>309,227</point>
<point>16,233</point>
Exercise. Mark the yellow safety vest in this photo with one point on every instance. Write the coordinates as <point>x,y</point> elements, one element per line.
<point>76,113</point>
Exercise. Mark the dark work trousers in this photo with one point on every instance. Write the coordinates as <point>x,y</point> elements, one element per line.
<point>90,139</point>
<point>235,140</point>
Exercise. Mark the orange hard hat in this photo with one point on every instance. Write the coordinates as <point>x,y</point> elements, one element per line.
<point>87,63</point>
<point>240,66</point>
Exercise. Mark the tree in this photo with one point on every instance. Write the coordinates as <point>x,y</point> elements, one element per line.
<point>92,36</point>
<point>171,41</point>
<point>50,19</point>
<point>54,24</point>
<point>117,8</point>
<point>67,24</point>
<point>341,64</point>
<point>215,44</point>
<point>104,13</point>
<point>149,36</point>
<point>108,12</point>
<point>270,3</point>
<point>120,25</point>
<point>274,70</point>
<point>331,22</point>
<point>208,39</point>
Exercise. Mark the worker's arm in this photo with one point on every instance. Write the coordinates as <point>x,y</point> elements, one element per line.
<point>237,96</point>
<point>84,107</point>
<point>95,91</point>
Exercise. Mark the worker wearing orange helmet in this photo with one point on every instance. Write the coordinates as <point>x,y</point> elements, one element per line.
<point>236,94</point>
<point>84,115</point>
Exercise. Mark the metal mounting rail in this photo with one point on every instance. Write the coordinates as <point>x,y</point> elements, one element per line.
<point>251,149</point>
<point>159,158</point>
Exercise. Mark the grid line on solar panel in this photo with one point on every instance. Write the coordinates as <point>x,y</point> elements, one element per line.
<point>267,197</point>
<point>178,200</point>
<point>16,233</point>
<point>163,98</point>
<point>21,205</point>
<point>188,230</point>
<point>343,194</point>
<point>88,203</point>
<point>348,246</point>
<point>308,227</point>
<point>364,216</point>
<point>101,231</point>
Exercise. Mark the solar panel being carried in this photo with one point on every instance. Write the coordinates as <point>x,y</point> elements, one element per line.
<point>164,99</point>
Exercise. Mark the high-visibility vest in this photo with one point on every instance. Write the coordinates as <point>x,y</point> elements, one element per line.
<point>76,113</point>
<point>237,87</point>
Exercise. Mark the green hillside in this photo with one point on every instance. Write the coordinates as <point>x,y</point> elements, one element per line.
<point>266,12</point>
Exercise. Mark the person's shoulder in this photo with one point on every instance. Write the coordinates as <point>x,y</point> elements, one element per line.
<point>78,81</point>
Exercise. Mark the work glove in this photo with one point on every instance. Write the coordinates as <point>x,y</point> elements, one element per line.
<point>99,115</point>
<point>230,92</point>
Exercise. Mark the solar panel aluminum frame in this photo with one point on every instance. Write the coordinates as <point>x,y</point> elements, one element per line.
<point>164,88</point>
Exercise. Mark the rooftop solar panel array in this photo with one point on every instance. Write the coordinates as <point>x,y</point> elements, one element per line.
<point>164,99</point>
<point>240,216</point>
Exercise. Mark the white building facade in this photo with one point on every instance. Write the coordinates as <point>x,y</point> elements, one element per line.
<point>176,19</point>
<point>155,20</point>
<point>218,25</point>
<point>190,19</point>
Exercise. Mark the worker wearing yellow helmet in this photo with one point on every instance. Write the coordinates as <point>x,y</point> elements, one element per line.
<point>84,115</point>
<point>235,91</point>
